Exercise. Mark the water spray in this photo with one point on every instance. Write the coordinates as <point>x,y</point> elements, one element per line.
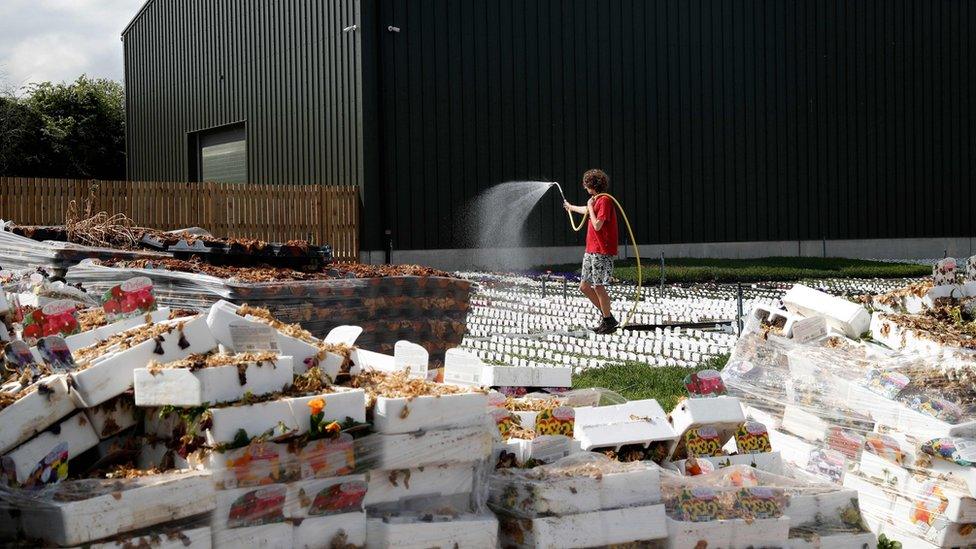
<point>633,241</point>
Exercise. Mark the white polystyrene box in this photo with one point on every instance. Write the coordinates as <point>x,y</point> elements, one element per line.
<point>213,385</point>
<point>423,532</point>
<point>74,435</point>
<point>265,536</point>
<point>124,506</point>
<point>223,315</point>
<point>580,494</point>
<point>828,540</point>
<point>728,534</point>
<point>111,374</point>
<point>961,507</point>
<point>340,405</point>
<point>527,376</point>
<point>432,481</point>
<point>405,415</point>
<point>405,451</point>
<point>189,538</point>
<point>824,507</point>
<point>723,413</point>
<point>770,462</point>
<point>91,337</point>
<point>593,529</point>
<point>255,419</point>
<point>112,416</point>
<point>35,412</point>
<point>345,530</point>
<point>846,316</point>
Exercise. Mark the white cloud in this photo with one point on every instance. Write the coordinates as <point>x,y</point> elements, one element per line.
<point>60,40</point>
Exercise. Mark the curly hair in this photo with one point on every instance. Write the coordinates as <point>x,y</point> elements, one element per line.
<point>596,180</point>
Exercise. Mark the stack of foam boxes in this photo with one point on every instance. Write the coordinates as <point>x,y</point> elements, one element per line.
<point>713,433</point>
<point>267,493</point>
<point>580,501</point>
<point>913,496</point>
<point>62,417</point>
<point>638,429</point>
<point>426,467</point>
<point>54,424</point>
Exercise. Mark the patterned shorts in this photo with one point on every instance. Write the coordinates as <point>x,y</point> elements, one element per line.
<point>597,269</point>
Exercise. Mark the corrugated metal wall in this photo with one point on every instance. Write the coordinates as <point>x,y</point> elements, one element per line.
<point>718,120</point>
<point>283,67</point>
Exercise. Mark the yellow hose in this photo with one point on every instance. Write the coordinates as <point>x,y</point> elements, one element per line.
<point>640,277</point>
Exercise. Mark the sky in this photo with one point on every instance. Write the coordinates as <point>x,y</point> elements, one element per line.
<point>59,40</point>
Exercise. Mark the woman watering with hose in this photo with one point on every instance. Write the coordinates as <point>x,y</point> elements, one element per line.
<point>601,245</point>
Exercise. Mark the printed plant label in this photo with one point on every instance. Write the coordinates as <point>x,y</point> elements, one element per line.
<point>55,352</point>
<point>52,469</point>
<point>760,502</point>
<point>133,297</point>
<point>703,442</point>
<point>944,272</point>
<point>887,383</point>
<point>929,506</point>
<point>56,318</point>
<point>706,383</point>
<point>961,451</point>
<point>337,499</point>
<point>257,507</point>
<point>555,421</point>
<point>827,463</point>
<point>324,458</point>
<point>255,465</point>
<point>699,504</point>
<point>885,447</point>
<point>248,338</point>
<point>752,438</point>
<point>17,357</point>
<point>505,421</point>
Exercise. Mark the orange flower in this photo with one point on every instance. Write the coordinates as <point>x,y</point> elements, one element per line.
<point>316,405</point>
<point>333,429</point>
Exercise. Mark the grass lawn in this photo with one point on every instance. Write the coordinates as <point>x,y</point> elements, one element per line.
<point>687,270</point>
<point>637,381</point>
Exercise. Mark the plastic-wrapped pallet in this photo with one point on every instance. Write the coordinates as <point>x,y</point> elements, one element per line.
<point>895,423</point>
<point>583,500</point>
<point>427,310</point>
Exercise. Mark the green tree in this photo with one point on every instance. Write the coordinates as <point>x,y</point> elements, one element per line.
<point>74,130</point>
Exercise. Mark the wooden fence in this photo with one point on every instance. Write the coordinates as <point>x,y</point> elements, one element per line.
<point>322,214</point>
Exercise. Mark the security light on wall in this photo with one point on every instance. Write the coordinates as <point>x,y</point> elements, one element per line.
<point>350,28</point>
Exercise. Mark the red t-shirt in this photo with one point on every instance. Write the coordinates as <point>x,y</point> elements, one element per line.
<point>603,241</point>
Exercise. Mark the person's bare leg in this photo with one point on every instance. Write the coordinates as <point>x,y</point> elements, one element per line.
<point>603,300</point>
<point>590,293</point>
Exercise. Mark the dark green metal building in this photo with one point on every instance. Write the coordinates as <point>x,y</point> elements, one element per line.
<point>718,120</point>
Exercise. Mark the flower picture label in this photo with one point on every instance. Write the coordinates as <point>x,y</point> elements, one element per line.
<point>56,354</point>
<point>18,358</point>
<point>258,507</point>
<point>52,469</point>
<point>703,442</point>
<point>131,298</point>
<point>752,438</point>
<point>56,318</point>
<point>944,272</point>
<point>555,421</point>
<point>337,499</point>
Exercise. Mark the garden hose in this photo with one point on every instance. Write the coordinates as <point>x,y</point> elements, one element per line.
<point>633,241</point>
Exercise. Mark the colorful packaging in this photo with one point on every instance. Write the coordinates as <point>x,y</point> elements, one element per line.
<point>884,447</point>
<point>706,383</point>
<point>752,438</point>
<point>56,318</point>
<point>698,504</point>
<point>555,421</point>
<point>847,443</point>
<point>257,507</point>
<point>131,298</point>
<point>703,442</point>
<point>504,420</point>
<point>760,502</point>
<point>337,499</point>
<point>55,353</point>
<point>961,451</point>
<point>886,383</point>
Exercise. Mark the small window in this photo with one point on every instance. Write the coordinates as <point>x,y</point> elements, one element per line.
<point>221,155</point>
